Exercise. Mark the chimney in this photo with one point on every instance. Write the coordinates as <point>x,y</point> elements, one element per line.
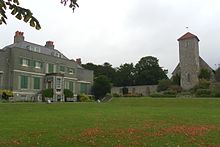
<point>19,37</point>
<point>78,61</point>
<point>49,44</point>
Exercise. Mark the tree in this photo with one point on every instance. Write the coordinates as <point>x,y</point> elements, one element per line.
<point>25,14</point>
<point>217,75</point>
<point>125,75</point>
<point>105,69</point>
<point>148,71</point>
<point>204,74</point>
<point>101,86</point>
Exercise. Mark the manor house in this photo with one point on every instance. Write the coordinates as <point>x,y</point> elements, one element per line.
<point>27,68</point>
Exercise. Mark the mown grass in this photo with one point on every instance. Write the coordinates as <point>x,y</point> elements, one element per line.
<point>121,122</point>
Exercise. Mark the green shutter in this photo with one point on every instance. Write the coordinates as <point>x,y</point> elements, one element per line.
<point>24,82</point>
<point>70,85</point>
<point>36,83</point>
<point>50,68</point>
<point>83,88</point>
<point>41,64</point>
<point>20,61</point>
<point>29,62</point>
<point>32,63</point>
<point>62,68</point>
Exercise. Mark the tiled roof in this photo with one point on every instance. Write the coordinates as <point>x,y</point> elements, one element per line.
<point>188,35</point>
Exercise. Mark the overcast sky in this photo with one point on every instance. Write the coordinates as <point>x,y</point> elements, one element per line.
<point>122,31</point>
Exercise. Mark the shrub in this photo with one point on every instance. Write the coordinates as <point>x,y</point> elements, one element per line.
<point>101,86</point>
<point>204,84</point>
<point>47,93</point>
<point>133,95</point>
<point>116,95</point>
<point>68,93</point>
<point>175,88</point>
<point>84,98</point>
<point>204,74</point>
<point>176,79</point>
<point>203,93</point>
<point>164,94</point>
<point>217,94</point>
<point>163,85</point>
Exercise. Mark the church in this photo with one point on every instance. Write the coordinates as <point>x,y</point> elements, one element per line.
<point>190,63</point>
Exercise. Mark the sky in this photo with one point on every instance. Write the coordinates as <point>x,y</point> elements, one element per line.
<point>122,31</point>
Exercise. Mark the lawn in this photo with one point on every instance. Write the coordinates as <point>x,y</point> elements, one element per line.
<point>121,122</point>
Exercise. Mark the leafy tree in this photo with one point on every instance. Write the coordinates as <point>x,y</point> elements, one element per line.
<point>164,85</point>
<point>176,79</point>
<point>105,69</point>
<point>204,74</point>
<point>148,71</point>
<point>101,86</point>
<point>25,14</point>
<point>217,75</point>
<point>125,75</point>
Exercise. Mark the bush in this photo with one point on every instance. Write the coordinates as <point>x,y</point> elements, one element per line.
<point>205,74</point>
<point>47,93</point>
<point>203,93</point>
<point>164,94</point>
<point>84,98</point>
<point>203,84</point>
<point>133,95</point>
<point>116,95</point>
<point>217,94</point>
<point>68,93</point>
<point>175,88</point>
<point>163,85</point>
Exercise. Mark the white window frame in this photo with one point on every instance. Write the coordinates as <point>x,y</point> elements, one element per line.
<point>37,64</point>
<point>24,62</point>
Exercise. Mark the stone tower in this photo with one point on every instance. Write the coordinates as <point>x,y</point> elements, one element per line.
<point>189,60</point>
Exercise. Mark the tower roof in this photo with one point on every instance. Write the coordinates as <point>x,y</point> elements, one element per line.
<point>188,35</point>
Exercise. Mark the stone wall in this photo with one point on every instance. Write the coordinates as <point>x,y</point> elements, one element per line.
<point>145,90</point>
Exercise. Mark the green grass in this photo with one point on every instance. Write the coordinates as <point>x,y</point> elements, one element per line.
<point>121,122</point>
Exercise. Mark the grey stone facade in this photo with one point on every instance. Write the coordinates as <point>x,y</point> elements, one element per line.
<point>190,62</point>
<point>36,67</point>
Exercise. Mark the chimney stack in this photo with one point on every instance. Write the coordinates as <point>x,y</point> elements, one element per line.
<point>19,37</point>
<point>78,61</point>
<point>49,44</point>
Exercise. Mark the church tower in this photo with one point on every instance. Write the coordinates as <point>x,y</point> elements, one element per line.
<point>189,60</point>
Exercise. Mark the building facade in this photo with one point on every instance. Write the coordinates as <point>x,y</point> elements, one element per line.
<point>27,69</point>
<point>190,62</point>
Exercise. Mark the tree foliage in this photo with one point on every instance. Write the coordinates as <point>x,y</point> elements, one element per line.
<point>205,74</point>
<point>217,75</point>
<point>148,71</point>
<point>101,86</point>
<point>25,14</point>
<point>125,75</point>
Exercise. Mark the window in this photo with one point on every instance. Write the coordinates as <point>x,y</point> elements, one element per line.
<point>71,85</point>
<point>50,68</point>
<point>34,49</point>
<point>62,68</point>
<point>24,82</point>
<point>187,44</point>
<point>58,83</point>
<point>38,64</point>
<point>36,82</point>
<point>25,62</point>
<point>83,88</point>
<point>71,70</point>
